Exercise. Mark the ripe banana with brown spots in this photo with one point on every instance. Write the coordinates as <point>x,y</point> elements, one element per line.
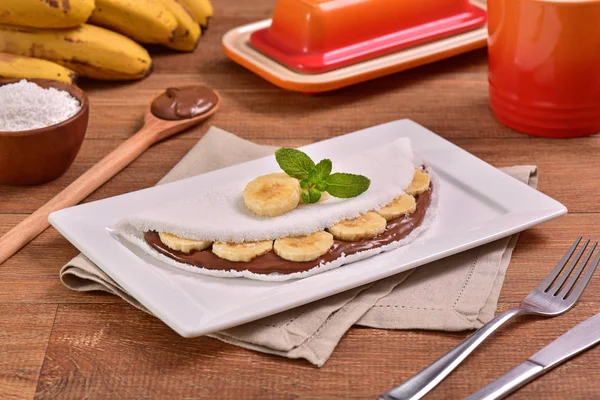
<point>145,21</point>
<point>187,32</point>
<point>89,50</point>
<point>46,13</point>
<point>202,10</point>
<point>12,66</point>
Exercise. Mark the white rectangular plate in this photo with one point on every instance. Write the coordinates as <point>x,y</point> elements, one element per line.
<point>478,204</point>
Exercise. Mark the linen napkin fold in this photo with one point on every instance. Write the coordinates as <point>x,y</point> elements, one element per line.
<point>456,293</point>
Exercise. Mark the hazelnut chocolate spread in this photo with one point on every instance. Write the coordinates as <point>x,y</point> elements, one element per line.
<point>270,262</point>
<point>184,103</point>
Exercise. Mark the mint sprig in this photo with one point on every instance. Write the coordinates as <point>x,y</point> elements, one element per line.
<point>294,162</point>
<point>317,178</point>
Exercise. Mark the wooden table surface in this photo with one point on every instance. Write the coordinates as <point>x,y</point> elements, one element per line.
<point>55,343</point>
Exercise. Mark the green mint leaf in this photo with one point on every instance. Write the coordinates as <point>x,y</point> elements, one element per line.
<point>321,171</point>
<point>304,183</point>
<point>294,162</point>
<point>310,196</point>
<point>321,186</point>
<point>346,185</point>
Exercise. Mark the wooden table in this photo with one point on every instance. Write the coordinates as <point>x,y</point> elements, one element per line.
<point>55,343</point>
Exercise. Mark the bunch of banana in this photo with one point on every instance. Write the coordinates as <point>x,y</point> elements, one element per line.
<point>92,51</point>
<point>46,14</point>
<point>12,66</point>
<point>88,50</point>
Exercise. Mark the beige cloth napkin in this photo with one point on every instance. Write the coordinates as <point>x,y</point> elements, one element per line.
<point>455,293</point>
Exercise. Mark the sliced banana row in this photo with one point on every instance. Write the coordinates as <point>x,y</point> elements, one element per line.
<point>270,194</point>
<point>298,249</point>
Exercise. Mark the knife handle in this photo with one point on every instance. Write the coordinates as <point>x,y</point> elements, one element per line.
<point>509,382</point>
<point>420,384</point>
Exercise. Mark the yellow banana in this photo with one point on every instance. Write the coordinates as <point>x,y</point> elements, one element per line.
<point>88,50</point>
<point>272,194</point>
<point>242,252</point>
<point>145,21</point>
<point>46,14</point>
<point>187,32</point>
<point>12,66</point>
<point>202,10</point>
<point>420,183</point>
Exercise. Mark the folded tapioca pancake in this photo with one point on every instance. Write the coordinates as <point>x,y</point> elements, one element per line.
<point>219,214</point>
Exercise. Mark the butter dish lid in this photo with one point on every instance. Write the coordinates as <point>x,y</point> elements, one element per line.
<point>315,36</point>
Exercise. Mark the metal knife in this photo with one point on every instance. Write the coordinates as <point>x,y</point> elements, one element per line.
<point>573,342</point>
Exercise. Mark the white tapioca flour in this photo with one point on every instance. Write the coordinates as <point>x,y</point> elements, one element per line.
<point>25,105</point>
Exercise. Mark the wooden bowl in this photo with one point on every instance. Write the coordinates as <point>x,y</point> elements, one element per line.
<point>40,155</point>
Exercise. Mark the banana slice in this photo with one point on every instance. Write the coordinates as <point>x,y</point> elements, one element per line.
<point>181,244</point>
<point>272,195</point>
<point>402,205</point>
<point>242,252</point>
<point>419,184</point>
<point>304,248</point>
<point>367,226</point>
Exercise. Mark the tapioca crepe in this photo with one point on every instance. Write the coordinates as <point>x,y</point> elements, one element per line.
<point>219,214</point>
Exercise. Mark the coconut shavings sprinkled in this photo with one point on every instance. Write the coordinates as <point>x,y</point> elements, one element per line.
<point>25,105</point>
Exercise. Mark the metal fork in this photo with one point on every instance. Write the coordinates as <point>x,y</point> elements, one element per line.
<point>556,295</point>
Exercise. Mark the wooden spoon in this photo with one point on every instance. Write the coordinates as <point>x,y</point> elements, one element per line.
<point>153,131</point>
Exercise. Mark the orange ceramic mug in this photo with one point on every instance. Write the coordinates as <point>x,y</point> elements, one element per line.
<point>544,60</point>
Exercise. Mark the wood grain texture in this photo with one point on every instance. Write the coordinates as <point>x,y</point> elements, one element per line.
<point>24,333</point>
<point>98,347</point>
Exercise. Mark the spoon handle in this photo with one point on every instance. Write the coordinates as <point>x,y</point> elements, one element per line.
<point>78,190</point>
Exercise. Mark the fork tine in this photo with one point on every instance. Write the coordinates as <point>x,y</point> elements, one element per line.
<point>552,276</point>
<point>573,278</point>
<point>576,293</point>
<point>567,271</point>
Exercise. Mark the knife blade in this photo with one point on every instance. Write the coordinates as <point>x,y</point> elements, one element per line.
<point>579,338</point>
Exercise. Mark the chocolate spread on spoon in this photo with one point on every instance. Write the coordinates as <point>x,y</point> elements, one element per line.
<point>395,230</point>
<point>184,103</point>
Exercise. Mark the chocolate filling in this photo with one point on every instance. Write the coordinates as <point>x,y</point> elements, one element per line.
<point>395,230</point>
<point>184,103</point>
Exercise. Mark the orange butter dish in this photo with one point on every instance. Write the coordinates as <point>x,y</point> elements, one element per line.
<point>320,45</point>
